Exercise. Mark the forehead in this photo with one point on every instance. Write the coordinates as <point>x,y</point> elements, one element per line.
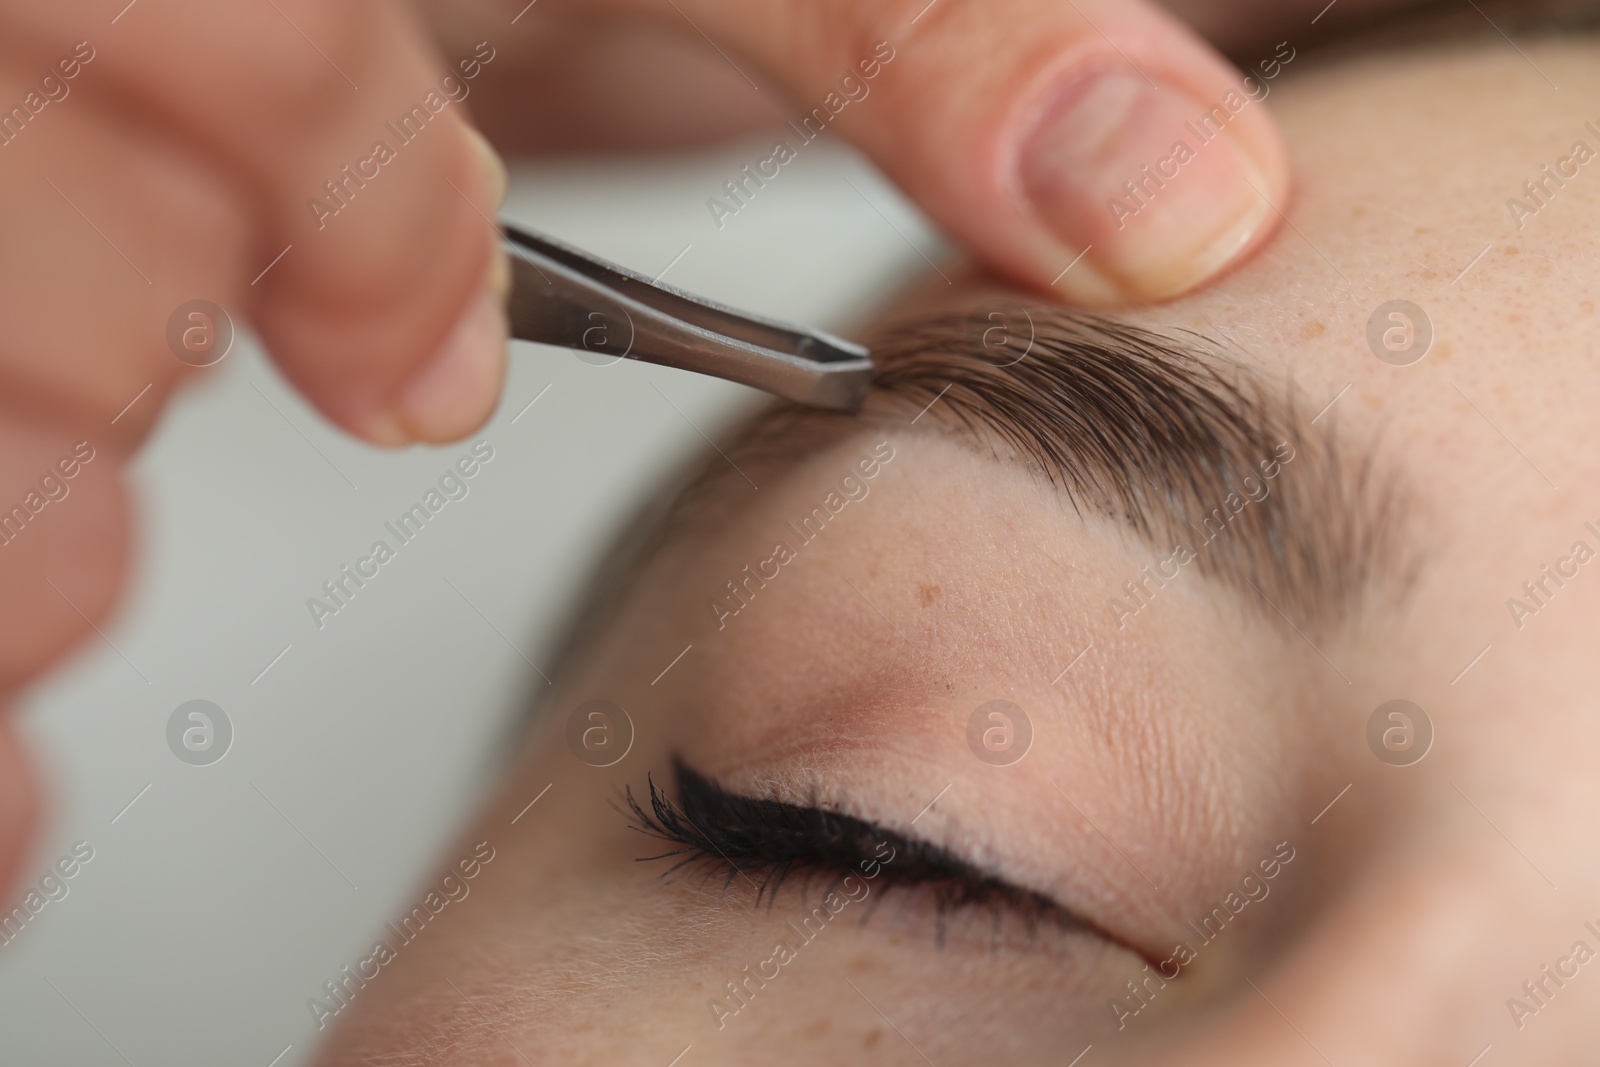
<point>1434,279</point>
<point>1434,178</point>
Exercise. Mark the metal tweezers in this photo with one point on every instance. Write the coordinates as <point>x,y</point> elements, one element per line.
<point>562,296</point>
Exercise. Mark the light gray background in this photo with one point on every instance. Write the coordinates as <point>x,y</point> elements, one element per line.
<point>223,897</point>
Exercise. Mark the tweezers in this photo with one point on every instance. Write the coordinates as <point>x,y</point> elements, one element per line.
<point>565,297</point>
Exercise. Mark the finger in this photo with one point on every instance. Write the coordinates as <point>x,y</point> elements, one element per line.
<point>95,270</point>
<point>1035,131</point>
<point>428,370</point>
<point>64,526</point>
<point>84,363</point>
<point>378,302</point>
<point>91,285</point>
<point>64,543</point>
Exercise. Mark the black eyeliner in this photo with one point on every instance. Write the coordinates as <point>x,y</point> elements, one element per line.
<point>770,841</point>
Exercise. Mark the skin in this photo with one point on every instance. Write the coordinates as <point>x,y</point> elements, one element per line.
<point>1180,752</point>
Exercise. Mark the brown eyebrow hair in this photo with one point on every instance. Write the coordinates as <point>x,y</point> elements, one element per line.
<point>1164,431</point>
<point>1154,429</point>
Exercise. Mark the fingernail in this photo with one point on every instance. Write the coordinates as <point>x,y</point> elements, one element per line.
<point>494,168</point>
<point>456,391</point>
<point>498,278</point>
<point>1149,180</point>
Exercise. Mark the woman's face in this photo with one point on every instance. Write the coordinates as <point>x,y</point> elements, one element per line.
<point>973,758</point>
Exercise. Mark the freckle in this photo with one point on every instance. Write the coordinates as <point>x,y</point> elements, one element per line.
<point>927,595</point>
<point>872,1038</point>
<point>1512,250</point>
<point>1513,317</point>
<point>862,964</point>
<point>1586,306</point>
<point>1313,329</point>
<point>1441,352</point>
<point>1421,230</point>
<point>818,1028</point>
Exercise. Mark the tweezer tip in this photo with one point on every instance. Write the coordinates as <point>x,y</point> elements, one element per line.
<point>567,291</point>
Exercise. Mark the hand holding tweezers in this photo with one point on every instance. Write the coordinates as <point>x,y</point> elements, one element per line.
<point>562,296</point>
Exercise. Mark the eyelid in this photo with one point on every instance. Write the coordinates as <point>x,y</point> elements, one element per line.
<point>742,835</point>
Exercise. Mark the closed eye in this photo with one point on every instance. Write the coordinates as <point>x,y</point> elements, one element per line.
<point>729,836</point>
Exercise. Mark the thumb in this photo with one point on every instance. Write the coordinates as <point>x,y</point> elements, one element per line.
<point>1036,132</point>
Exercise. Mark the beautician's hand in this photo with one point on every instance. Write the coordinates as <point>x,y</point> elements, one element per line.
<point>168,152</point>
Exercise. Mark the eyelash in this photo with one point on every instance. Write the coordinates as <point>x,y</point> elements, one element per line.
<point>774,841</point>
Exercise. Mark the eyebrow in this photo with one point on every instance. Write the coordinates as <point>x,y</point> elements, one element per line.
<point>1153,429</point>
<point>1163,431</point>
<point>1169,434</point>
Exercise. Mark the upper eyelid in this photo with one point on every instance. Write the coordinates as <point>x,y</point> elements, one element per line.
<point>924,863</point>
